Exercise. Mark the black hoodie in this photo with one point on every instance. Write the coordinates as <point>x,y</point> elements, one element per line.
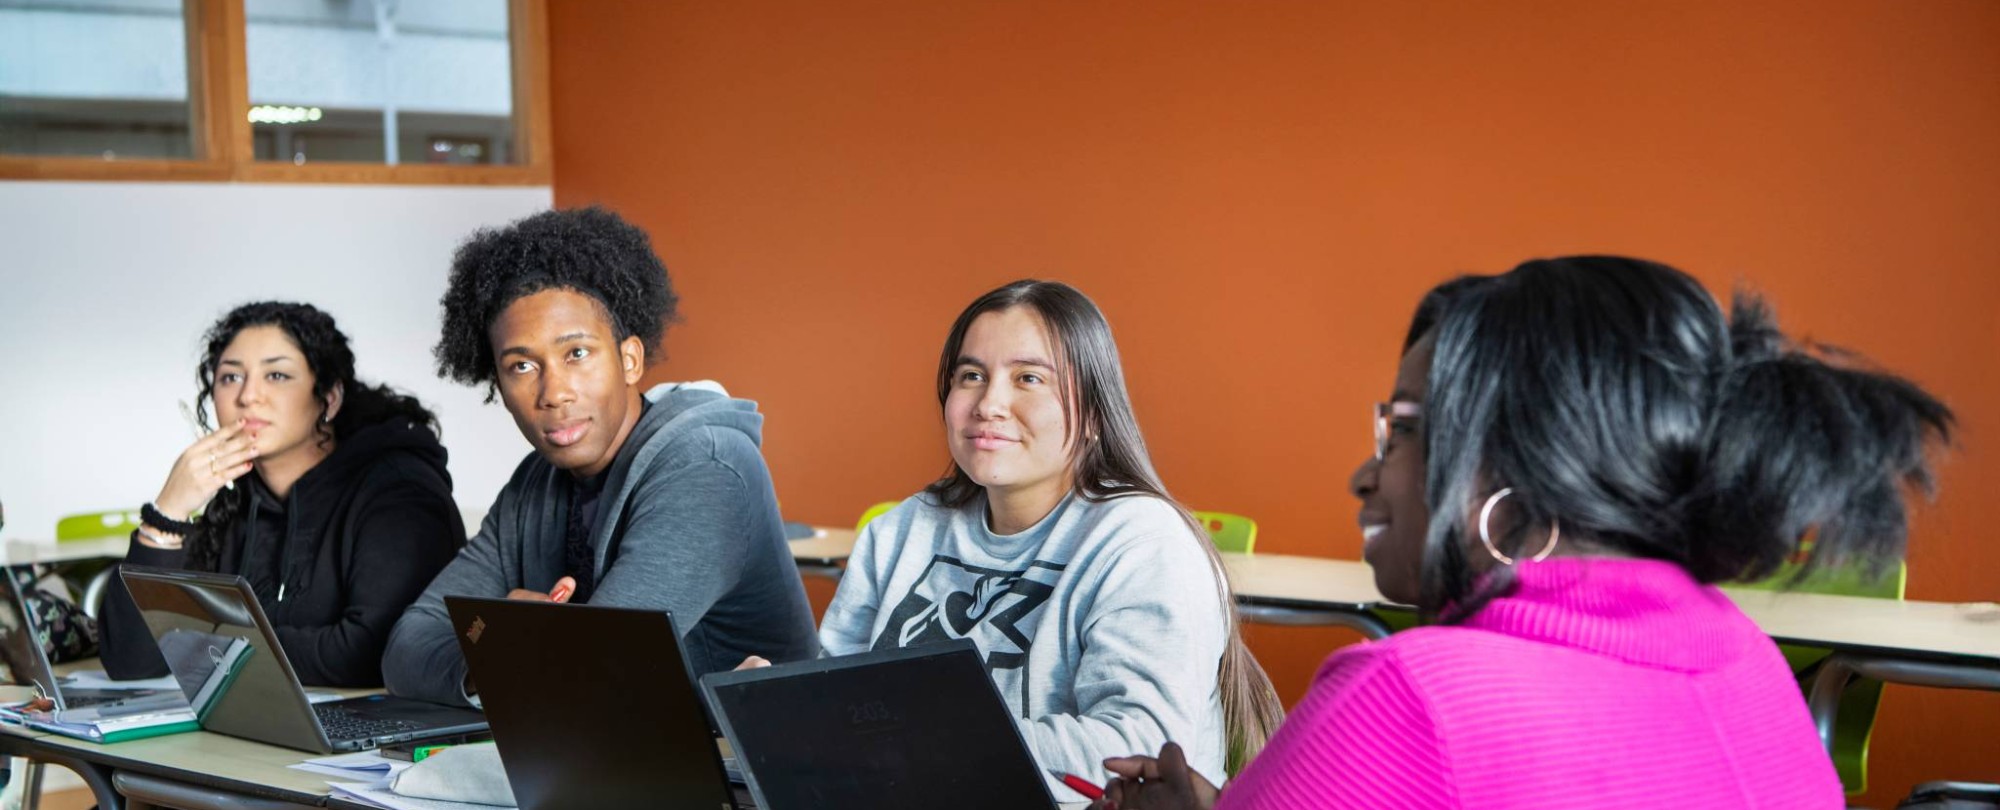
<point>362,534</point>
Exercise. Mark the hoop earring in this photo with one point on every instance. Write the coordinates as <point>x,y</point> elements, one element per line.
<point>1486,512</point>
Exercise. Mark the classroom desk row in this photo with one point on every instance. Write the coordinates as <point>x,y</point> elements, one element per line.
<point>1919,643</point>
<point>1288,589</point>
<point>1930,644</point>
<point>195,770</point>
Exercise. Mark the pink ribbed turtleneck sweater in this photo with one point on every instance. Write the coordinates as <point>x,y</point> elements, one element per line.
<point>1597,683</point>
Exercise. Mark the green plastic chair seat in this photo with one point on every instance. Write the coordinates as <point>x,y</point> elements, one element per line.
<point>93,525</point>
<point>873,513</point>
<point>1234,534</point>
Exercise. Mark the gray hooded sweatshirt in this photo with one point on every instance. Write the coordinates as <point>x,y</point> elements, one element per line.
<point>687,523</point>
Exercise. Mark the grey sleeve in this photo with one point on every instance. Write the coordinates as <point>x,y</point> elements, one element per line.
<point>423,660</point>
<point>682,548</point>
<point>1152,639</point>
<point>850,618</point>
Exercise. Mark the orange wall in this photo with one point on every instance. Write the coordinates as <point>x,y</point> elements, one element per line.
<point>1257,193</point>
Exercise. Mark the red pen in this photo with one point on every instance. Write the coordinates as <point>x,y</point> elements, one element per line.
<point>1079,784</point>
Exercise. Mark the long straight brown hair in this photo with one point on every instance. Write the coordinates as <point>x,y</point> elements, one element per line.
<point>1091,385</point>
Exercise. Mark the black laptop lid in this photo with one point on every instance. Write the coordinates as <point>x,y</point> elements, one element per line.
<point>906,728</point>
<point>591,706</point>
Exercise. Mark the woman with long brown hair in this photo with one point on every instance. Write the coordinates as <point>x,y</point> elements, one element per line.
<point>1098,602</point>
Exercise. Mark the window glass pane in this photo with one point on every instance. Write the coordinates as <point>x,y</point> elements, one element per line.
<point>381,81</point>
<point>97,78</point>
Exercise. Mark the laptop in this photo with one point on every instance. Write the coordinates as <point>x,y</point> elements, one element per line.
<point>912,727</point>
<point>216,639</point>
<point>21,647</point>
<point>591,706</point>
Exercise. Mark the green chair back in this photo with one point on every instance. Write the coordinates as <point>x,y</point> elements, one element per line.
<point>1235,534</point>
<point>873,513</point>
<point>94,525</point>
<point>1855,722</point>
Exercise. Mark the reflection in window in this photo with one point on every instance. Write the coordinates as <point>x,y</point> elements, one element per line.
<point>380,81</point>
<point>94,78</point>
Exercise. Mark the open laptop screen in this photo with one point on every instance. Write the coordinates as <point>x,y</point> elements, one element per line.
<point>877,729</point>
<point>235,675</point>
<point>20,645</point>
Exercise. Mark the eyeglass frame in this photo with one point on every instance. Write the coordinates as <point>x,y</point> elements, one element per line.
<point>1386,412</point>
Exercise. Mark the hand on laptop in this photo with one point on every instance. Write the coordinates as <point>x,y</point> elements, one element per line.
<point>1149,783</point>
<point>753,662</point>
<point>560,593</point>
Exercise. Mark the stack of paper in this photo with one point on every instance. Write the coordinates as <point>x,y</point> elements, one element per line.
<point>99,727</point>
<point>381,796</point>
<point>365,766</point>
<point>96,679</point>
<point>371,773</point>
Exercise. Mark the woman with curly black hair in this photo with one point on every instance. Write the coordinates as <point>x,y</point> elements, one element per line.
<point>646,499</point>
<point>328,494</point>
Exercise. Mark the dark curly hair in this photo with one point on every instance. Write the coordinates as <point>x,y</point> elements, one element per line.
<point>589,250</point>
<point>331,359</point>
<point>1623,406</point>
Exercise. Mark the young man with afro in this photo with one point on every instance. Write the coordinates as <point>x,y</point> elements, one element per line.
<point>657,499</point>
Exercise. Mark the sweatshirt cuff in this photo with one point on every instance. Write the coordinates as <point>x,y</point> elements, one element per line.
<point>141,554</point>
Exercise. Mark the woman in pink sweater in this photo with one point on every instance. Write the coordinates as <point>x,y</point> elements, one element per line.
<point>1573,453</point>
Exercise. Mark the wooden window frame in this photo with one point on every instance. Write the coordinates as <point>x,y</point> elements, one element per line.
<point>220,133</point>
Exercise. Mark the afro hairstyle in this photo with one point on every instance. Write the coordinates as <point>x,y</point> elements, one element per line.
<point>591,251</point>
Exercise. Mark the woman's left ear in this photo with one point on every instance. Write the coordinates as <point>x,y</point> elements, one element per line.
<point>333,400</point>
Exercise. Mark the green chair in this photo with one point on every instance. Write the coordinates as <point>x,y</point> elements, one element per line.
<point>95,525</point>
<point>873,513</point>
<point>1233,534</point>
<point>1855,722</point>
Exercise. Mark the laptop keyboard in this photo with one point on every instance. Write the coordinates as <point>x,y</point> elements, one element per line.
<point>343,723</point>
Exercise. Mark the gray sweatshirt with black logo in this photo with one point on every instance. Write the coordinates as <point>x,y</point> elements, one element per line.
<point>687,523</point>
<point>1102,625</point>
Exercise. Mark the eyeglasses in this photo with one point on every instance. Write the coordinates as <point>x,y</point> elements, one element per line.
<point>1387,412</point>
